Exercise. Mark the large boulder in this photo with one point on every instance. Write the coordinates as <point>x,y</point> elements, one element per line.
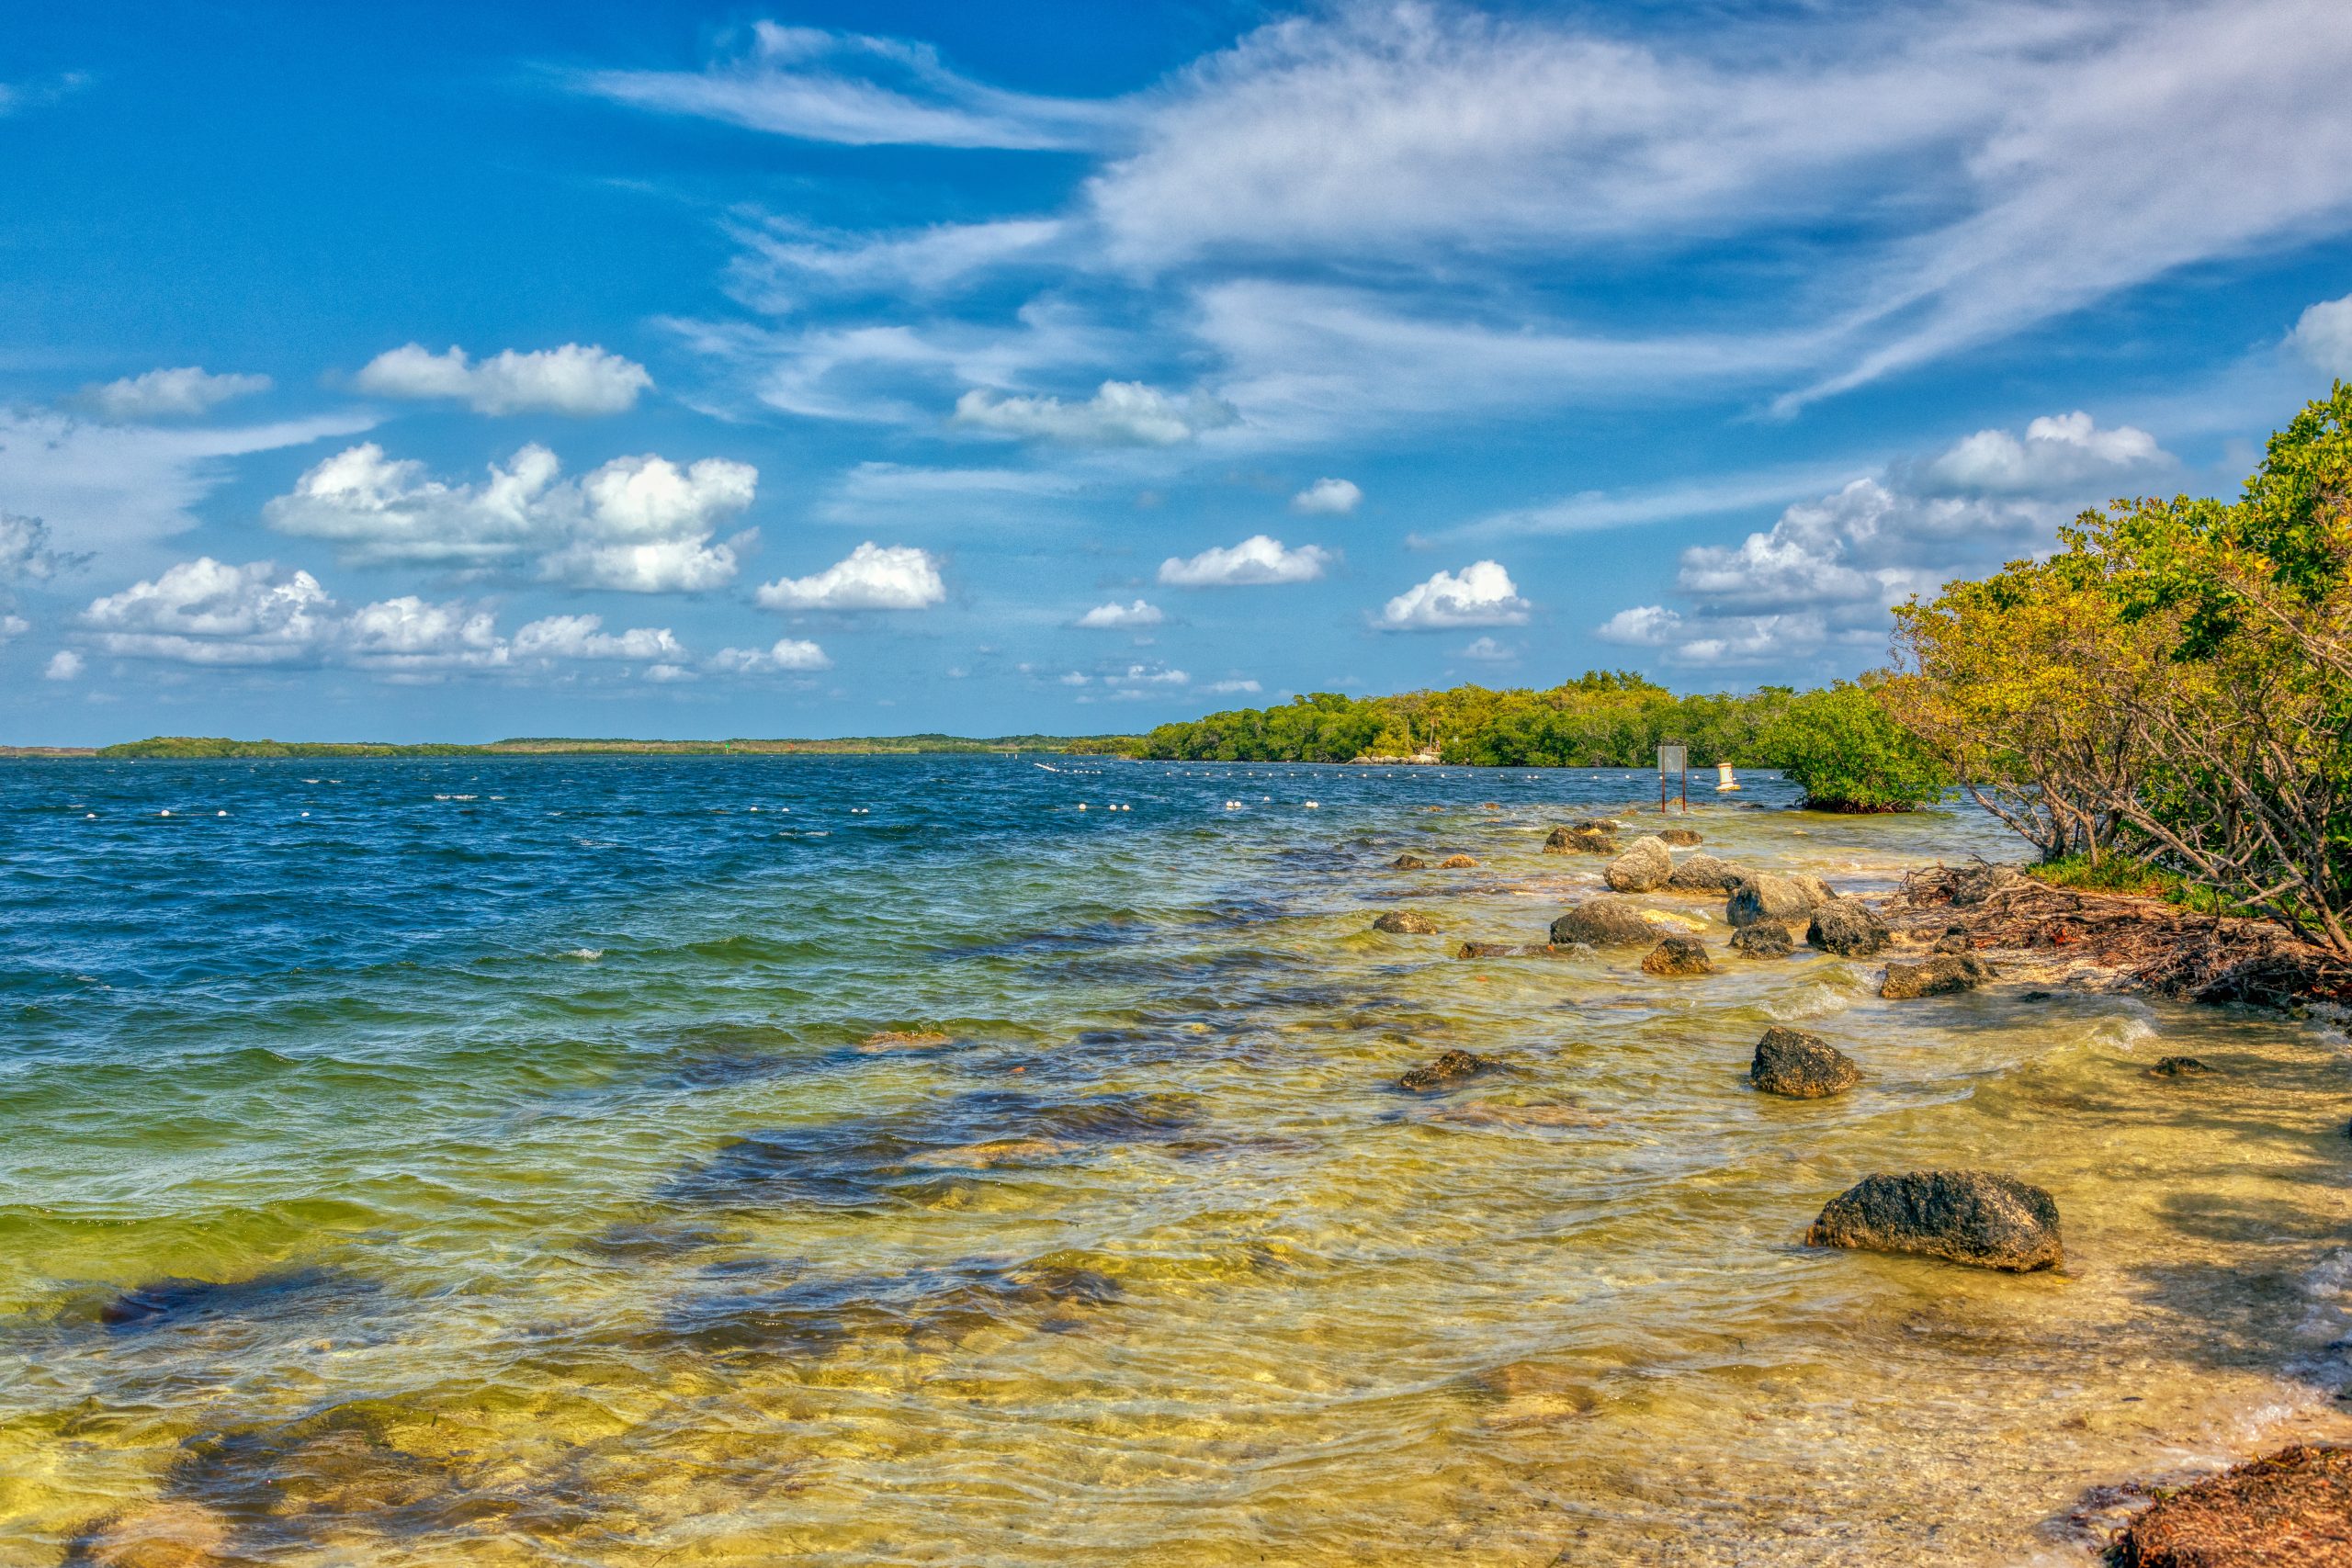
<point>1764,938</point>
<point>1849,928</point>
<point>1768,898</point>
<point>1820,892</point>
<point>1449,1068</point>
<point>1406,922</point>
<point>1976,1217</point>
<point>1681,838</point>
<point>1705,873</point>
<point>1605,922</point>
<point>1643,868</point>
<point>1936,976</point>
<point>1801,1066</point>
<point>1579,842</point>
<point>1677,956</point>
<point>2293,1506</point>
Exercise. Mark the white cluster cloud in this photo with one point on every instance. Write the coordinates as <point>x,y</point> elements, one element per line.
<point>1485,650</point>
<point>27,552</point>
<point>1121,413</point>
<point>1227,688</point>
<point>184,392</point>
<point>639,525</point>
<point>209,613</point>
<point>1826,571</point>
<point>579,380</point>
<point>1256,559</point>
<point>2323,334</point>
<point>2058,452</point>
<point>790,654</point>
<point>1481,594</point>
<point>64,665</point>
<point>1115,616</point>
<point>1327,498</point>
<point>871,576</point>
<point>13,628</point>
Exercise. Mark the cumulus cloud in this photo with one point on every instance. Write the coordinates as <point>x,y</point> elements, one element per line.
<point>871,576</point>
<point>1327,498</point>
<point>581,379</point>
<point>858,90</point>
<point>64,665</point>
<point>209,613</point>
<point>13,628</point>
<point>1487,650</point>
<point>2057,451</point>
<point>1115,616</point>
<point>1481,594</point>
<point>1121,413</point>
<point>787,654</point>
<point>1226,688</point>
<point>1256,559</point>
<point>179,393</point>
<point>1823,577</point>
<point>2323,334</point>
<point>638,524</point>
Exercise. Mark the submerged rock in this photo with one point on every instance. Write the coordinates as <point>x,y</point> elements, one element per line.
<point>1681,838</point>
<point>2293,1506</point>
<point>1643,868</point>
<point>1406,922</point>
<point>1677,956</point>
<point>1449,1068</point>
<point>1763,896</point>
<point>171,1534</point>
<point>1605,922</point>
<point>1801,1066</point>
<point>1764,938</point>
<point>1409,863</point>
<point>1579,842</point>
<point>1849,928</point>
<point>1705,873</point>
<point>1936,976</point>
<point>904,1040</point>
<point>1511,950</point>
<point>1977,1217</point>
<point>2178,1067</point>
<point>1456,862</point>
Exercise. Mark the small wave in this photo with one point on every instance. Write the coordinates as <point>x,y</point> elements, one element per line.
<point>1819,998</point>
<point>585,954</point>
<point>2122,1031</point>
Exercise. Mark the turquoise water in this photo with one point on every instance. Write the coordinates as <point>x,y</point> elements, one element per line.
<point>884,1160</point>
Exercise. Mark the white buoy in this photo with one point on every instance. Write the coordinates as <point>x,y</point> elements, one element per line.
<point>1722,777</point>
<point>1313,806</point>
<point>219,814</point>
<point>164,813</point>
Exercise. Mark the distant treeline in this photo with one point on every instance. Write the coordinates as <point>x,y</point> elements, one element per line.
<point>1603,718</point>
<point>198,748</point>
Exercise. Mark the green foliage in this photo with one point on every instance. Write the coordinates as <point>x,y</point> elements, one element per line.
<point>1846,752</point>
<point>2133,876</point>
<point>1603,718</point>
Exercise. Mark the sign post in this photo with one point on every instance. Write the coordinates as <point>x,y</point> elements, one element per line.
<point>1673,775</point>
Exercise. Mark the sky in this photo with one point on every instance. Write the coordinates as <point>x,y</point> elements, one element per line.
<point>468,370</point>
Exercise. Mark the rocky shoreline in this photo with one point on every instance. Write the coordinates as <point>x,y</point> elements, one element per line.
<point>1952,928</point>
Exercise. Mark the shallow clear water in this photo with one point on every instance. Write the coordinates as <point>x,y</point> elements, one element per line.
<point>502,1173</point>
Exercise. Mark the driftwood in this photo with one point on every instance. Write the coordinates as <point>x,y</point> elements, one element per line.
<point>2134,942</point>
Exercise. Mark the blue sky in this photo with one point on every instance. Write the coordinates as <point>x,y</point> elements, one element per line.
<point>459,371</point>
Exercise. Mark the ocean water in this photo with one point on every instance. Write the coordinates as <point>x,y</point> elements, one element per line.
<point>881,1161</point>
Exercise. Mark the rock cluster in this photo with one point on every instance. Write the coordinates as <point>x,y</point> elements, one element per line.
<point>1977,1217</point>
<point>1940,975</point>
<point>1449,1068</point>
<point>1643,868</point>
<point>1849,928</point>
<point>1705,873</point>
<point>1605,922</point>
<point>1405,922</point>
<point>2293,1506</point>
<point>1801,1066</point>
<point>1677,956</point>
